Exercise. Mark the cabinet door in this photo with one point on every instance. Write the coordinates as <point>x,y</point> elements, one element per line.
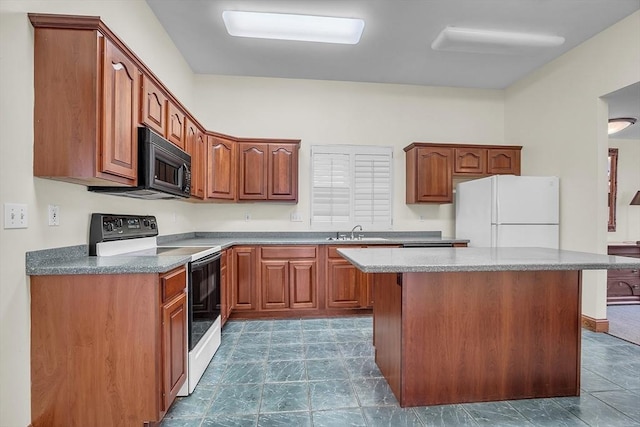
<point>274,283</point>
<point>195,146</point>
<point>221,168</point>
<point>120,101</point>
<point>343,290</point>
<point>302,283</point>
<point>253,171</point>
<point>472,161</point>
<point>282,181</point>
<point>175,125</point>
<point>154,106</point>
<point>503,162</point>
<point>174,348</point>
<point>244,278</point>
<point>429,175</point>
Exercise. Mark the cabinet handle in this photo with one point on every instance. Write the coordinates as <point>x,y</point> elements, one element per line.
<point>117,66</point>
<point>634,271</point>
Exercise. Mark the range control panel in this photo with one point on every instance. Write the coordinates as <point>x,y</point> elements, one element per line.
<point>110,227</point>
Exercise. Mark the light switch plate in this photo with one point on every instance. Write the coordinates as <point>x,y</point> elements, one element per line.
<point>296,217</point>
<point>15,215</point>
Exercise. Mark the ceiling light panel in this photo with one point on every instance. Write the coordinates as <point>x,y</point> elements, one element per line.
<point>282,26</point>
<point>471,40</point>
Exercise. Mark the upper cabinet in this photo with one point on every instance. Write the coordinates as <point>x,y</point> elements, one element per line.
<point>175,125</point>
<point>252,169</point>
<point>162,115</point>
<point>86,103</point>
<point>221,168</point>
<point>252,173</point>
<point>195,145</point>
<point>154,106</point>
<point>268,170</point>
<point>431,167</point>
<point>92,93</point>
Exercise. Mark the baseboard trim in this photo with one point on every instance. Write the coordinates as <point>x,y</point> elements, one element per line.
<point>595,325</point>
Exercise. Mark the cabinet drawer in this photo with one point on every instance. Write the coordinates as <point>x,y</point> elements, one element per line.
<point>286,252</point>
<point>173,283</point>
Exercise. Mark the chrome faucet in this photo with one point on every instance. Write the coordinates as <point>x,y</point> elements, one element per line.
<point>354,229</point>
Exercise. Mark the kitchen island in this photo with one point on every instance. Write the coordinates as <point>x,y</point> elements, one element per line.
<point>457,325</point>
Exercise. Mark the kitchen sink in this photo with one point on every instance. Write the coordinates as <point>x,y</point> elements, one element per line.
<point>357,239</point>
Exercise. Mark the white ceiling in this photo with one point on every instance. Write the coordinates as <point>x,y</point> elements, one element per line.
<point>396,44</point>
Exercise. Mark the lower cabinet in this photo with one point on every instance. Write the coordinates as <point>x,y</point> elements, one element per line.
<point>623,286</point>
<point>288,277</point>
<point>243,278</point>
<point>174,334</point>
<point>347,287</point>
<point>106,349</point>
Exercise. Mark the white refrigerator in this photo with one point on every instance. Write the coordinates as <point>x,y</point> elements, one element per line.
<point>509,211</point>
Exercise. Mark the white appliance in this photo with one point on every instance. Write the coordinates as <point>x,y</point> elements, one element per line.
<point>509,211</point>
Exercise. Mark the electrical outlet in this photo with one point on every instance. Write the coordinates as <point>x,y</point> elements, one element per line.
<point>247,216</point>
<point>54,215</point>
<point>15,215</point>
<point>296,217</point>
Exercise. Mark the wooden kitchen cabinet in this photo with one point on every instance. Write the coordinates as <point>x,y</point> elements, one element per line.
<point>268,170</point>
<point>503,161</point>
<point>112,353</point>
<point>221,168</point>
<point>431,167</point>
<point>282,172</point>
<point>288,277</point>
<point>196,147</point>
<point>252,171</point>
<point>471,161</point>
<point>243,278</point>
<point>153,108</point>
<point>174,334</point>
<point>429,175</point>
<point>160,114</point>
<point>86,103</point>
<point>175,125</point>
<point>348,287</point>
<point>623,286</point>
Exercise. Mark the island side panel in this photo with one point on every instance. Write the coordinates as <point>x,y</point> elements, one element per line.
<point>486,336</point>
<point>387,327</point>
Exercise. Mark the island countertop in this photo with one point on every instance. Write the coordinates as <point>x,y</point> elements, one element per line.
<point>415,260</point>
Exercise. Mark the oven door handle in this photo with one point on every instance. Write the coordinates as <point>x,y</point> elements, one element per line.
<point>206,260</point>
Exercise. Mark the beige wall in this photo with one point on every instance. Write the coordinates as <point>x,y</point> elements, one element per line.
<point>627,217</point>
<point>557,114</point>
<point>324,112</point>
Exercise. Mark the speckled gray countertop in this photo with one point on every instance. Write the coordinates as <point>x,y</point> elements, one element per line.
<point>75,259</point>
<point>413,260</point>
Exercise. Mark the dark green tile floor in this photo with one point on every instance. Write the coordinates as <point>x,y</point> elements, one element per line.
<point>321,373</point>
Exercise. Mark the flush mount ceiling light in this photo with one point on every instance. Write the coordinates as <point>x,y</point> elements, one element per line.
<point>618,124</point>
<point>471,40</point>
<point>282,26</point>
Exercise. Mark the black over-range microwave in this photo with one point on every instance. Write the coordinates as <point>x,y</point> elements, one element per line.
<point>164,170</point>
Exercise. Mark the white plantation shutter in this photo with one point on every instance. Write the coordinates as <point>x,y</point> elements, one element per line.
<point>351,184</point>
<point>372,184</point>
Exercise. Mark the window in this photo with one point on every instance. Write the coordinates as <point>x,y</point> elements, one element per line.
<point>351,184</point>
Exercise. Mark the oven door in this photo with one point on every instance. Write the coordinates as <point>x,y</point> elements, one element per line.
<point>204,296</point>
